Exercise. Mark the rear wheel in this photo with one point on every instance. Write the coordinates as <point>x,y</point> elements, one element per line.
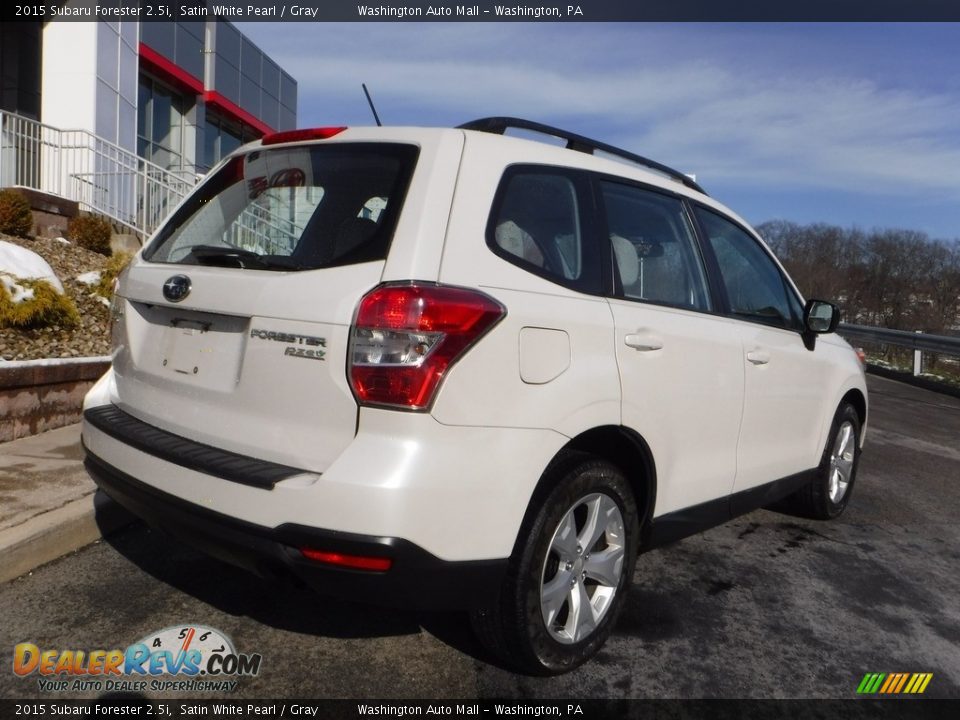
<point>827,496</point>
<point>570,572</point>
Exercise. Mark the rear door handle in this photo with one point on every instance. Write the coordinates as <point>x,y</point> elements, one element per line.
<point>643,342</point>
<point>758,357</point>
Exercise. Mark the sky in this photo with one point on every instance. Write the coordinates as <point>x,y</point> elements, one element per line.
<point>847,124</point>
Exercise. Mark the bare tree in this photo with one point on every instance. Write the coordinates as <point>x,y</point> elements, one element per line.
<point>888,277</point>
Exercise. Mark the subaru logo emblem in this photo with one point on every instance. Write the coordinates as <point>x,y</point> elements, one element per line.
<point>176,288</point>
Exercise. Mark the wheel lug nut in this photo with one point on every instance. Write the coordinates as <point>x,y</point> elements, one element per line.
<point>569,565</point>
<point>573,582</point>
<point>579,550</point>
<point>584,575</point>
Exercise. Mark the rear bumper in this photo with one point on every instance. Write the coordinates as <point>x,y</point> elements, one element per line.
<point>416,578</point>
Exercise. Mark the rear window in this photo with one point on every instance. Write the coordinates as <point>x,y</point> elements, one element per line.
<point>298,208</point>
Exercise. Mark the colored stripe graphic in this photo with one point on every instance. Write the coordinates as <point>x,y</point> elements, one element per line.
<point>918,683</point>
<point>894,683</point>
<point>903,679</point>
<point>892,679</point>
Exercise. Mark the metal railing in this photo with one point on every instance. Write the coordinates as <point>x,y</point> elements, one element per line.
<point>101,176</point>
<point>917,341</point>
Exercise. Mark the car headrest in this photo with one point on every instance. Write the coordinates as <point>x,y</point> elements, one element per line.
<point>517,241</point>
<point>626,257</point>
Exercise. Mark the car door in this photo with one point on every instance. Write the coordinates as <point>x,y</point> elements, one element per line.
<point>782,392</point>
<point>680,363</point>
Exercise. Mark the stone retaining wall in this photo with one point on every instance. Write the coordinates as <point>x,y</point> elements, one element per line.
<point>39,395</point>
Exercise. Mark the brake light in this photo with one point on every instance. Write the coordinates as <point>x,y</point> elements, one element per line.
<point>406,337</point>
<point>354,562</point>
<point>301,135</point>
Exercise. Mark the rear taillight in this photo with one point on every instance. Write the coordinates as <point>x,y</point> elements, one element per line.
<point>405,337</point>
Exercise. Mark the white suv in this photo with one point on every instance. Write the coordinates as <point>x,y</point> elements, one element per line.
<point>451,368</point>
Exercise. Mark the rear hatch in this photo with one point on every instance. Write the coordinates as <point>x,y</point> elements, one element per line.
<point>233,328</point>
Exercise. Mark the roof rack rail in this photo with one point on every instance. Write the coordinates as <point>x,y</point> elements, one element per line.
<point>499,125</point>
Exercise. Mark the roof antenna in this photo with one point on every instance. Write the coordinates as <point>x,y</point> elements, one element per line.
<point>372,108</point>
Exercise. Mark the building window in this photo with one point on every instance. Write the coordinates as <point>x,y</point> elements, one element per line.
<point>221,137</point>
<point>160,121</point>
<point>20,48</point>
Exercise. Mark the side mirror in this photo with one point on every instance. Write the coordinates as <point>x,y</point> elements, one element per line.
<point>820,317</point>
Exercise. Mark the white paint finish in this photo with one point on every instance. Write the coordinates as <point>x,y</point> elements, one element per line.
<point>544,354</point>
<point>459,493</point>
<point>103,392</point>
<point>247,396</point>
<point>418,240</point>
<point>485,388</point>
<point>787,394</point>
<point>326,296</point>
<point>684,398</point>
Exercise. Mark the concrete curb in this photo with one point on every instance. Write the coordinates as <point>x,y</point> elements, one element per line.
<point>55,533</point>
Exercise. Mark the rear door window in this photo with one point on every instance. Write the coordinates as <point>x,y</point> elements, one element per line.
<point>297,208</point>
<point>654,247</point>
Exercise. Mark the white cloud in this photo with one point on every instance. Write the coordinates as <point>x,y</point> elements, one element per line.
<point>763,123</point>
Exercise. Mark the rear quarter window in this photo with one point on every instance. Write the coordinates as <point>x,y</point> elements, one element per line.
<point>537,223</point>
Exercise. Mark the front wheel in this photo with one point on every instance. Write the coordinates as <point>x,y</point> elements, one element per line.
<point>827,496</point>
<point>570,572</point>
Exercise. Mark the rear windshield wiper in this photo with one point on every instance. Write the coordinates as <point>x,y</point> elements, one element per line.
<point>238,257</point>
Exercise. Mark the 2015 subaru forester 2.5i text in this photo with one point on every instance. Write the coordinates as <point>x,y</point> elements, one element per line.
<point>453,368</point>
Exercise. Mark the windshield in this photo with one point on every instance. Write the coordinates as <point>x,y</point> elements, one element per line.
<point>296,208</point>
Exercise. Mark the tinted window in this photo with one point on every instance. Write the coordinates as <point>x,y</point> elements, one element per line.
<point>755,286</point>
<point>654,247</point>
<point>292,208</point>
<point>537,224</point>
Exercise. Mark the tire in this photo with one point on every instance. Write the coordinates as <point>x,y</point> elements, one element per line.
<point>560,599</point>
<point>827,496</point>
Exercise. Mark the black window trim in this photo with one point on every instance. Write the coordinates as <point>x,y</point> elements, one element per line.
<point>717,283</point>
<point>588,219</point>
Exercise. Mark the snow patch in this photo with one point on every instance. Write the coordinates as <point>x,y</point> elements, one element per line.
<point>18,293</point>
<point>62,241</point>
<point>25,264</point>
<point>89,278</point>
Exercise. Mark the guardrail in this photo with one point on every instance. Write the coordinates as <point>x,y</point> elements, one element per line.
<point>918,341</point>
